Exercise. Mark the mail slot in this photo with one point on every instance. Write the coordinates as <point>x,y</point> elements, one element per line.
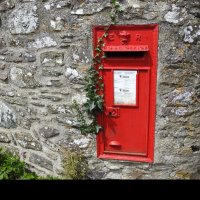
<point>129,76</point>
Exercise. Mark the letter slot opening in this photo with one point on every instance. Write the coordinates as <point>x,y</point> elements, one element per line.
<point>125,54</point>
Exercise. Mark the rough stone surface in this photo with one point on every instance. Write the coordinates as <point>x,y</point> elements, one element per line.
<point>45,49</point>
<point>27,141</point>
<point>5,138</point>
<point>23,19</point>
<point>42,41</point>
<point>51,59</point>
<point>7,116</point>
<point>6,5</point>
<point>48,132</point>
<point>41,161</point>
<point>22,78</point>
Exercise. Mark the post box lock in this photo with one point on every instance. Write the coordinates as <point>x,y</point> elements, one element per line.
<point>112,112</point>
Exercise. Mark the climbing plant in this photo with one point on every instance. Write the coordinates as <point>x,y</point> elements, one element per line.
<point>12,168</point>
<point>94,86</point>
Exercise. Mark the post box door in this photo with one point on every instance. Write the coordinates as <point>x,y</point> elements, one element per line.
<point>129,76</point>
<point>125,117</point>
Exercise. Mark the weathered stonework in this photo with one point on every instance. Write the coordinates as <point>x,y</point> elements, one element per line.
<point>41,161</point>
<point>45,49</point>
<point>48,132</point>
<point>27,141</point>
<point>5,138</point>
<point>6,5</point>
<point>7,116</point>
<point>24,19</point>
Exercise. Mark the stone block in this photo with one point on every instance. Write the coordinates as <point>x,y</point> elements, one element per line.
<point>23,19</point>
<point>4,137</point>
<point>48,132</point>
<point>6,5</point>
<point>51,59</point>
<point>41,161</point>
<point>23,78</point>
<point>7,116</point>
<point>28,142</point>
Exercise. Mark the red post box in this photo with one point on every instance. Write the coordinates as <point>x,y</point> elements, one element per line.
<point>129,77</point>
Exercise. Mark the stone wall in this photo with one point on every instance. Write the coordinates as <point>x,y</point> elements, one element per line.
<point>45,48</point>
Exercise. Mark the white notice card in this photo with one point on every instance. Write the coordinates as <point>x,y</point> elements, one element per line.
<point>125,87</point>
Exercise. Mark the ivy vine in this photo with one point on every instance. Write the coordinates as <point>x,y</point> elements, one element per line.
<point>94,86</point>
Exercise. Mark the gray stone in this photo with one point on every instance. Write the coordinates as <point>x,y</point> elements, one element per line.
<point>6,5</point>
<point>24,19</point>
<point>195,11</point>
<point>68,121</point>
<point>26,122</point>
<point>28,142</point>
<point>113,175</point>
<point>52,98</point>
<point>51,59</point>
<point>82,142</point>
<point>91,8</point>
<point>16,76</point>
<point>7,116</point>
<point>2,43</point>
<point>3,75</point>
<point>4,137</point>
<point>191,33</point>
<point>18,41</point>
<point>79,54</point>
<point>48,132</point>
<point>61,4</point>
<point>38,104</point>
<point>66,43</point>
<point>18,100</point>
<point>57,5</point>
<point>180,97</point>
<point>51,72</point>
<point>42,41</point>
<point>59,109</point>
<point>29,57</point>
<point>73,75</point>
<point>57,24</point>
<point>23,78</point>
<point>174,15</point>
<point>54,83</point>
<point>2,66</point>
<point>14,56</point>
<point>113,166</point>
<point>41,161</point>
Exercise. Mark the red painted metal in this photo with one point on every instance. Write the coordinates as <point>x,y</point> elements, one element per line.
<point>126,48</point>
<point>128,129</point>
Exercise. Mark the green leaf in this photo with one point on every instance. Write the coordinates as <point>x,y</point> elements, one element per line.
<point>101,67</point>
<point>92,106</point>
<point>100,39</point>
<point>97,128</point>
<point>98,49</point>
<point>105,35</point>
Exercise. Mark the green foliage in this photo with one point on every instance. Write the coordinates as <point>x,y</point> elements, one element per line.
<point>75,165</point>
<point>11,168</point>
<point>115,10</point>
<point>94,86</point>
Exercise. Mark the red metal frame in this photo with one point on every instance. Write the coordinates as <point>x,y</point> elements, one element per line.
<point>141,65</point>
